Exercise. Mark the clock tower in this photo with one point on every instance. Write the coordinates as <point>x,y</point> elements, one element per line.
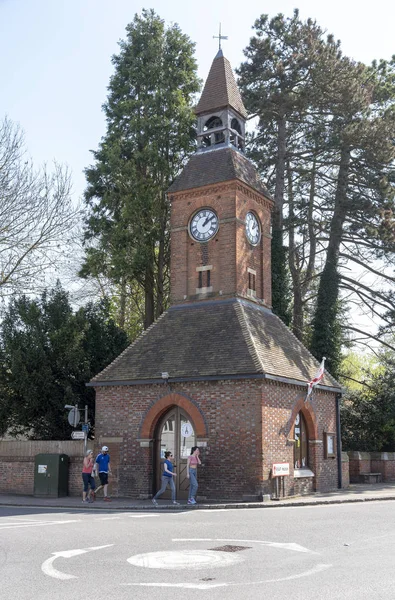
<point>219,370</point>
<point>220,210</point>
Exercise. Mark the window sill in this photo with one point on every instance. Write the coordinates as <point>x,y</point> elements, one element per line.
<point>299,473</point>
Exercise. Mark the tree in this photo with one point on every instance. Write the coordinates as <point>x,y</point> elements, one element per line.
<point>276,83</point>
<point>47,355</point>
<point>368,415</point>
<point>325,141</point>
<point>149,134</point>
<point>36,215</point>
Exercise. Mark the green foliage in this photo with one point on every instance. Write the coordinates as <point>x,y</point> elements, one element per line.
<point>47,355</point>
<point>324,143</point>
<point>149,134</point>
<point>368,415</point>
<point>281,289</point>
<point>326,327</point>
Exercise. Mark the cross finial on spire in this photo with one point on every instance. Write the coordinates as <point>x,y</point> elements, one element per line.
<point>220,37</point>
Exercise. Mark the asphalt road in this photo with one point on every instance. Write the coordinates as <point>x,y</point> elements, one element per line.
<point>313,552</point>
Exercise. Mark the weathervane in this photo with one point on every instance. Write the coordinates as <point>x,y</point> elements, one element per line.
<point>220,37</point>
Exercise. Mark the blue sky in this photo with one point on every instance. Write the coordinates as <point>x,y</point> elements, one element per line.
<point>55,57</point>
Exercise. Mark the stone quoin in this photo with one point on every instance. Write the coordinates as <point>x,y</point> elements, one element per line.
<point>219,370</point>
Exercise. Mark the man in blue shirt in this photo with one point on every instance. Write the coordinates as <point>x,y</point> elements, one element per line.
<point>102,466</point>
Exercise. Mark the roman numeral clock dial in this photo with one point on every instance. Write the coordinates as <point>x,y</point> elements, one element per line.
<point>253,229</point>
<point>204,225</point>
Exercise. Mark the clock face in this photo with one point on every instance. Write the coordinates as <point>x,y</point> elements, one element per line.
<point>253,230</point>
<point>204,225</point>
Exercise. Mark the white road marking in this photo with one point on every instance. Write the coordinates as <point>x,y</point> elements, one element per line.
<point>209,586</point>
<point>38,524</point>
<point>48,569</point>
<point>190,560</point>
<point>285,546</point>
<point>190,586</point>
<point>143,516</point>
<point>108,518</point>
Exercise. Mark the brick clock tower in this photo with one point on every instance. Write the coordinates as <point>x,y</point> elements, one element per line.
<point>219,370</point>
<point>220,221</point>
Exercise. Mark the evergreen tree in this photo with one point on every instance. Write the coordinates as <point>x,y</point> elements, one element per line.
<point>149,134</point>
<point>47,355</point>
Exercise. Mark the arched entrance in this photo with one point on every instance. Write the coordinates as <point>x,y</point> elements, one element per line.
<point>175,432</point>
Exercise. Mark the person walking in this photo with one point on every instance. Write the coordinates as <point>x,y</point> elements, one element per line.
<point>102,466</point>
<point>167,479</point>
<point>192,463</point>
<point>88,495</point>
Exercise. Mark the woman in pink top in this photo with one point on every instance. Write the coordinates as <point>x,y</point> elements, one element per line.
<point>89,481</point>
<point>192,463</point>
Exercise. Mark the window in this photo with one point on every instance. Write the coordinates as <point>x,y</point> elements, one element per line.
<point>251,291</point>
<point>204,280</point>
<point>219,137</point>
<point>301,447</point>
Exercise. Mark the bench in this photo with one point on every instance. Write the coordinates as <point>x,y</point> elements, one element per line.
<point>370,478</point>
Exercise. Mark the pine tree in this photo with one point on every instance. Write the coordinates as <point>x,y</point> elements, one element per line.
<point>149,134</point>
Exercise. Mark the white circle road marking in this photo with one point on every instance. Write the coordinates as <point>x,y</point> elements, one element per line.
<point>284,545</point>
<point>192,560</point>
<point>168,559</point>
<point>208,586</point>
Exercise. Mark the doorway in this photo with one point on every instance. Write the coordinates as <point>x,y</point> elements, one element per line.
<point>175,433</point>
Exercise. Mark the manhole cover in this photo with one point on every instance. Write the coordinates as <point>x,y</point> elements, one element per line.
<point>230,548</point>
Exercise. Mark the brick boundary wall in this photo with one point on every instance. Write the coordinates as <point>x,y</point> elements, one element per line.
<point>372,462</point>
<point>17,461</point>
<point>345,470</point>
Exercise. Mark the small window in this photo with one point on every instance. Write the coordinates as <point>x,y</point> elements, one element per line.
<point>204,279</point>
<point>251,290</point>
<point>301,457</point>
<point>212,123</point>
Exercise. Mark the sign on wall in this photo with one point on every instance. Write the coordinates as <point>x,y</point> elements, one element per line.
<point>280,469</point>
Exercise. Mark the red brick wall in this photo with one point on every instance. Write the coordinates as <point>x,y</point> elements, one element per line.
<point>359,463</point>
<point>248,429</point>
<point>17,475</point>
<point>228,252</point>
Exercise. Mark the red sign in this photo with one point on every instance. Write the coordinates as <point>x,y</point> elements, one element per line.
<point>280,469</point>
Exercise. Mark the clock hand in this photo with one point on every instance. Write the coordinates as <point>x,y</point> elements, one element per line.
<point>207,220</point>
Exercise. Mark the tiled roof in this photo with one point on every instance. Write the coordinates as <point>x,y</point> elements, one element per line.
<point>217,166</point>
<point>220,89</point>
<point>215,339</point>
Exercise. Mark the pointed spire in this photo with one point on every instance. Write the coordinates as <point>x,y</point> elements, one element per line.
<point>220,89</point>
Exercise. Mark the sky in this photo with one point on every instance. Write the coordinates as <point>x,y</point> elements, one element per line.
<point>55,57</point>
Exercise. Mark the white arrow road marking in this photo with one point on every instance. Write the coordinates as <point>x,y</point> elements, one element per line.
<point>37,524</point>
<point>48,568</point>
<point>285,546</point>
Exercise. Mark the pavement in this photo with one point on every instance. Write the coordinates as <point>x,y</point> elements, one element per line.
<point>354,493</point>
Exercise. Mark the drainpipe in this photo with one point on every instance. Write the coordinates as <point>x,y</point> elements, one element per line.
<point>339,443</point>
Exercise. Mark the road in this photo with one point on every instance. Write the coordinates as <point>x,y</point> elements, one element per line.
<point>311,553</point>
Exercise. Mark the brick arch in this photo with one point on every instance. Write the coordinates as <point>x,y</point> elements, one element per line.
<point>309,416</point>
<point>165,403</point>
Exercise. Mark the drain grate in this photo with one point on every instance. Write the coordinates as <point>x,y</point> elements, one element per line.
<point>208,579</point>
<point>230,548</point>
